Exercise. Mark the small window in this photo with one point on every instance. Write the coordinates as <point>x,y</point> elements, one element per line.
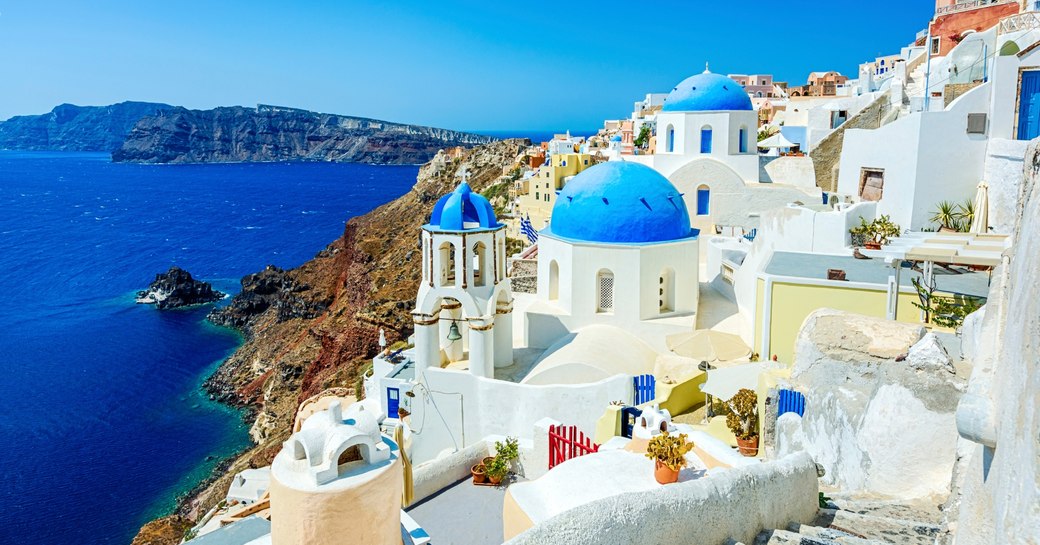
<point>563,163</point>
<point>935,45</point>
<point>706,140</point>
<point>871,184</point>
<point>605,283</point>
<point>703,200</point>
<point>743,140</point>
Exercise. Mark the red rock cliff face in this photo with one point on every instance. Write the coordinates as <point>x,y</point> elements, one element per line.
<point>313,327</point>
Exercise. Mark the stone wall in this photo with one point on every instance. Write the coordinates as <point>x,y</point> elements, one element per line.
<point>827,153</point>
<point>880,406</point>
<point>954,90</point>
<point>524,275</point>
<point>729,504</point>
<point>1000,413</point>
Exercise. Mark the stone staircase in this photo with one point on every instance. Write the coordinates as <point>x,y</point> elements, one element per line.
<point>860,521</point>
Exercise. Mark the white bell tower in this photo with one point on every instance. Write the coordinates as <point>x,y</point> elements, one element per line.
<point>463,311</point>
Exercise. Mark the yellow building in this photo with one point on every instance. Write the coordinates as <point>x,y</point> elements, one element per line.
<point>537,195</point>
<point>794,285</point>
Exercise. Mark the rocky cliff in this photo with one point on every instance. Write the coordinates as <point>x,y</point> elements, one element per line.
<point>313,327</point>
<point>267,133</point>
<point>76,128</point>
<point>176,288</point>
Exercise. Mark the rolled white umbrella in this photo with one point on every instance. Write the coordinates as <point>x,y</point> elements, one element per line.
<point>980,222</point>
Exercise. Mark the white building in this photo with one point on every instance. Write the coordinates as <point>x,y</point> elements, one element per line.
<point>463,311</point>
<point>619,251</point>
<point>706,146</point>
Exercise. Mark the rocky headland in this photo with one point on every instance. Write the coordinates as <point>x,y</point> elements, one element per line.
<point>270,133</point>
<point>176,288</point>
<point>316,326</point>
<point>76,128</point>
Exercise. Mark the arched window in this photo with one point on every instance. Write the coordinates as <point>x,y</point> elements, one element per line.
<point>481,270</point>
<point>703,200</point>
<point>554,280</point>
<point>670,139</point>
<point>742,144</point>
<point>447,264</point>
<point>666,291</point>
<point>605,291</point>
<point>706,139</point>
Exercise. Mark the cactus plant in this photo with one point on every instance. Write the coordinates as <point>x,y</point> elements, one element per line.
<point>670,450</point>
<point>742,417</point>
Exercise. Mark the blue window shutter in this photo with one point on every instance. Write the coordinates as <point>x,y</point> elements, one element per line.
<point>705,140</point>
<point>703,207</point>
<point>743,140</point>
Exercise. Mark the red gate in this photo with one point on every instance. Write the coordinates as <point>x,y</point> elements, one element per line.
<point>566,442</point>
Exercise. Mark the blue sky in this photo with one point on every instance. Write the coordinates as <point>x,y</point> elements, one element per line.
<point>466,65</point>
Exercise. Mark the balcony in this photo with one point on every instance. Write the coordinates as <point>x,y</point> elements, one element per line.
<point>971,4</point>
<point>1023,21</point>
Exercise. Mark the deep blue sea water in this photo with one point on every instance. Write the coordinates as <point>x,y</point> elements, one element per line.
<point>102,420</point>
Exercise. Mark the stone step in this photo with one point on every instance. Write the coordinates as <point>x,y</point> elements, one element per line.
<point>785,537</point>
<point>919,512</point>
<point>838,536</point>
<point>887,529</point>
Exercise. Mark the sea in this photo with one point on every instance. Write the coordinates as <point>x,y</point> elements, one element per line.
<point>103,422</point>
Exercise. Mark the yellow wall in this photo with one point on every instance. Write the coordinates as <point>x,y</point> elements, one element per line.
<point>792,303</point>
<point>540,194</point>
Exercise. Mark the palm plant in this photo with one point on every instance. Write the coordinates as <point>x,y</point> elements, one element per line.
<point>966,215</point>
<point>947,215</point>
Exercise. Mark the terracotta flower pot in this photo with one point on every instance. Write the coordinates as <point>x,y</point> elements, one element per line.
<point>748,447</point>
<point>479,475</point>
<point>486,461</point>
<point>664,474</point>
<point>871,245</point>
<point>494,479</point>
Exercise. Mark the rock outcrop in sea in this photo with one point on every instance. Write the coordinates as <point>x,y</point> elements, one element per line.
<point>270,133</point>
<point>315,326</point>
<point>76,128</point>
<point>176,288</point>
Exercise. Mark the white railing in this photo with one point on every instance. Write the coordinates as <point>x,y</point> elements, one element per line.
<point>972,4</point>
<point>1022,21</point>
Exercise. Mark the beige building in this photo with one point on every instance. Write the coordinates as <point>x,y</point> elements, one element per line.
<point>537,195</point>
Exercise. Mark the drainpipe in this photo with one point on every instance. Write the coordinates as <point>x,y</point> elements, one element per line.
<point>985,63</point>
<point>928,68</point>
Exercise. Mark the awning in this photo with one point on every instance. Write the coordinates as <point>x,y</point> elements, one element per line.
<point>776,141</point>
<point>725,383</point>
<point>708,345</point>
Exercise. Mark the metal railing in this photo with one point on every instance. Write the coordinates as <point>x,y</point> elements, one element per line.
<point>1022,21</point>
<point>972,4</point>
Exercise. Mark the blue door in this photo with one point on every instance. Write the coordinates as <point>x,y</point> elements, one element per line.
<point>393,402</point>
<point>645,386</point>
<point>1029,106</point>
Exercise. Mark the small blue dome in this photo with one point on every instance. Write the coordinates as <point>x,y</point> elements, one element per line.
<point>707,92</point>
<point>463,210</point>
<point>615,138</point>
<point>622,203</point>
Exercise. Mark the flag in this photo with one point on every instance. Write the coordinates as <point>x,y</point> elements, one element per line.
<point>528,230</point>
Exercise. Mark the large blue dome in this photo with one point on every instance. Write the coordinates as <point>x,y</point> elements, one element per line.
<point>622,203</point>
<point>463,210</point>
<point>707,92</point>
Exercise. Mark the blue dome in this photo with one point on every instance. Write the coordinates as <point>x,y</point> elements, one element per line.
<point>622,203</point>
<point>615,138</point>
<point>463,210</point>
<point>707,92</point>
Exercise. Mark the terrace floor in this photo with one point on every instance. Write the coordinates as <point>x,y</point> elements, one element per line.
<point>462,514</point>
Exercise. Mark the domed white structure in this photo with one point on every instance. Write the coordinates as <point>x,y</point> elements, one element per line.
<point>464,305</point>
<point>619,250</point>
<point>335,471</point>
<point>710,116</point>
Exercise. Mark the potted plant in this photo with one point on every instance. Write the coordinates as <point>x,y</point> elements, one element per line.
<point>508,451</point>
<point>859,233</point>
<point>669,455</point>
<point>497,470</point>
<point>742,420</point>
<point>479,473</point>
